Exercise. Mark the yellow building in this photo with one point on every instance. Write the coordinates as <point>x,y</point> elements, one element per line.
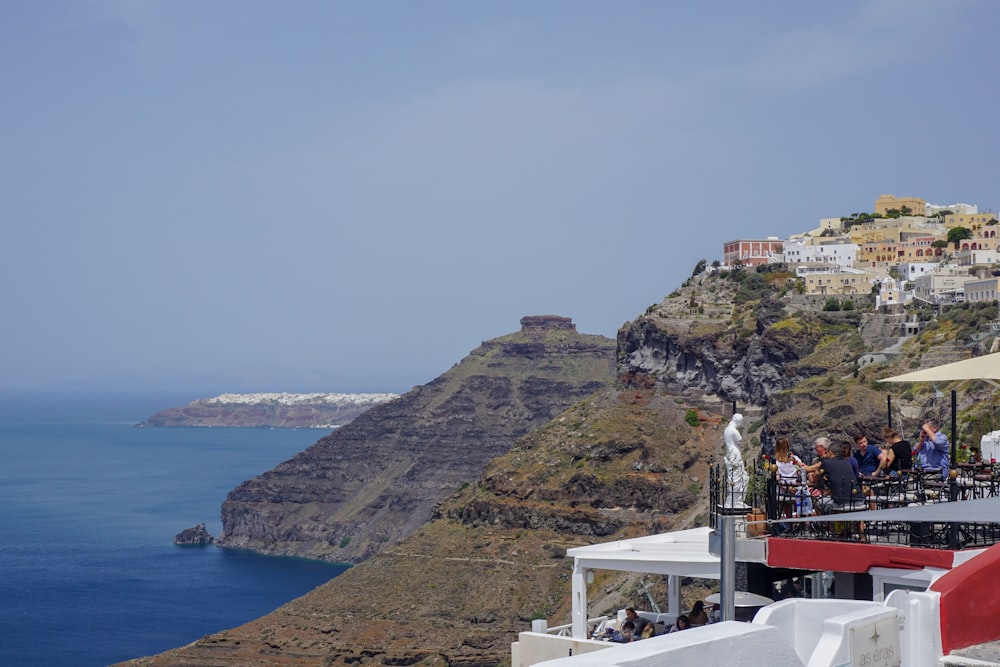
<point>834,281</point>
<point>973,221</point>
<point>886,203</point>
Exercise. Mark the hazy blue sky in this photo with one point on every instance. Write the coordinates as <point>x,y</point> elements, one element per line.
<point>350,196</point>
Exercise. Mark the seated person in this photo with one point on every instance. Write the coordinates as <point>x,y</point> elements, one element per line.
<point>897,455</point>
<point>842,488</point>
<point>638,622</point>
<point>788,463</point>
<point>698,615</point>
<point>627,631</point>
<point>681,624</point>
<point>867,456</point>
<point>790,468</point>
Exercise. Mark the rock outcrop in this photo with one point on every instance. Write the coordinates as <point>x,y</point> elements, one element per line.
<point>275,410</point>
<point>735,364</point>
<point>375,481</point>
<point>197,536</point>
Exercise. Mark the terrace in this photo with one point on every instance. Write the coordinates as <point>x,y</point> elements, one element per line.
<point>769,500</point>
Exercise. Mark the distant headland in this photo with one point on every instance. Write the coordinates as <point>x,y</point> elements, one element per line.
<point>269,410</point>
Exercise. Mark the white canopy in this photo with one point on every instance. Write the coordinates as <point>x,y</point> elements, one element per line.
<point>986,367</point>
<point>684,553</point>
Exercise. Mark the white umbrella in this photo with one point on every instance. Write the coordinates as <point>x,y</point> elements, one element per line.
<point>986,367</point>
<point>743,599</point>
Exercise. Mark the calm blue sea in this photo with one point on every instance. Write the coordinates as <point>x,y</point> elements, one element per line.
<point>89,506</point>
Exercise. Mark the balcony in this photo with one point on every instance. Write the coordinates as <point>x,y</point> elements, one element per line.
<point>768,500</point>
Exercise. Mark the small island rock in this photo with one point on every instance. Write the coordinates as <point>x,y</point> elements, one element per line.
<point>198,536</point>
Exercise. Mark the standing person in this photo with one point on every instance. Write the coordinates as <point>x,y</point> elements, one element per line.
<point>867,456</point>
<point>897,455</point>
<point>934,450</point>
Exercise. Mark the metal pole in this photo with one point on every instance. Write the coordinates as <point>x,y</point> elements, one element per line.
<point>954,430</point>
<point>888,407</point>
<point>727,566</point>
<point>953,474</point>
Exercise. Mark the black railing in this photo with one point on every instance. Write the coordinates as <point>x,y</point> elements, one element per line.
<point>777,503</point>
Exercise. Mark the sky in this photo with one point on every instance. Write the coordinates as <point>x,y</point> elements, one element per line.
<point>351,196</point>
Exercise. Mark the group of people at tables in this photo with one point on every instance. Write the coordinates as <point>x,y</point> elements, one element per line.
<point>839,474</point>
<point>635,627</point>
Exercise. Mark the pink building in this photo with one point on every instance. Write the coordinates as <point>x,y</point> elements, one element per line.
<point>750,251</point>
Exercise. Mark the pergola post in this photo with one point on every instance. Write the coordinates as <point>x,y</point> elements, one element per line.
<point>674,594</point>
<point>579,592</point>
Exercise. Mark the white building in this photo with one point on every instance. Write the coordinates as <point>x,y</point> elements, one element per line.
<point>910,271</point>
<point>981,256</point>
<point>962,209</point>
<point>798,251</point>
<point>892,292</point>
<point>944,285</point>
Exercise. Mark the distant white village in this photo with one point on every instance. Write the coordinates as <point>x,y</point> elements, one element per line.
<point>905,250</point>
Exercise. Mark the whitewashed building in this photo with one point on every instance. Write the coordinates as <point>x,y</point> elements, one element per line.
<point>800,251</point>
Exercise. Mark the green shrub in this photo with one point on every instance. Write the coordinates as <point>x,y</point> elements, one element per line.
<point>691,417</point>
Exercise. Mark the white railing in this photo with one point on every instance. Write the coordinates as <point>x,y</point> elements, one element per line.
<point>595,624</point>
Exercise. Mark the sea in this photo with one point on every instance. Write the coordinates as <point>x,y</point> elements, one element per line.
<point>89,506</point>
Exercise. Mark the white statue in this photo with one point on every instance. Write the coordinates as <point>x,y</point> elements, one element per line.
<point>736,473</point>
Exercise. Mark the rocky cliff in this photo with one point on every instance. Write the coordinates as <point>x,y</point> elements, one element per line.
<point>631,458</point>
<point>376,480</point>
<point>276,410</point>
<point>620,463</point>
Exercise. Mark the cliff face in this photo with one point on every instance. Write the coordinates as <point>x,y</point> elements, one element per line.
<point>375,480</point>
<point>620,463</point>
<point>743,358</point>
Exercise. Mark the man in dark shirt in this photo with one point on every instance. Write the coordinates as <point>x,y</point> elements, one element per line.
<point>842,482</point>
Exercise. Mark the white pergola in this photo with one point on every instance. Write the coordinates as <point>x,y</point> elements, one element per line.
<point>679,554</point>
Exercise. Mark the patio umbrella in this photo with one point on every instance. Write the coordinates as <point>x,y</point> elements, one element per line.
<point>986,367</point>
<point>743,599</point>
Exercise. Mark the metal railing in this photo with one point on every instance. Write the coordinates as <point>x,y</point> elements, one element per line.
<point>764,493</point>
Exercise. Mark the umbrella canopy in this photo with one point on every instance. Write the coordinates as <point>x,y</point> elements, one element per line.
<point>743,599</point>
<point>986,367</point>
